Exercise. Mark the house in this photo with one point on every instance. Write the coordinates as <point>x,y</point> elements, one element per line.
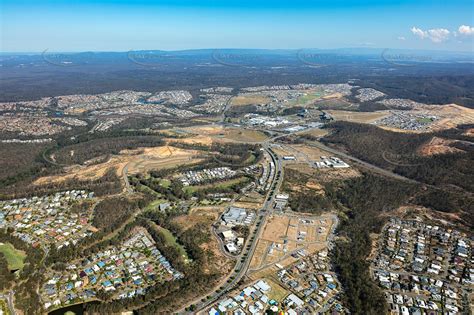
<point>213,311</point>
<point>262,286</point>
<point>292,299</point>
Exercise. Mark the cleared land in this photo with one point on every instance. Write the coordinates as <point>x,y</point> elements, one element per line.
<point>359,117</point>
<point>137,161</point>
<point>285,234</point>
<point>206,216</point>
<point>252,99</point>
<point>212,133</point>
<point>438,146</point>
<point>449,116</point>
<point>316,132</point>
<point>220,184</point>
<point>14,257</point>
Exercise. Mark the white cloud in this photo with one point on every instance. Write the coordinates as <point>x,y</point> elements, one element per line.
<point>436,35</point>
<point>401,38</point>
<point>419,32</point>
<point>466,30</point>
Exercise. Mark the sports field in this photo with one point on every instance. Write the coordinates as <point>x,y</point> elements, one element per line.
<point>15,258</point>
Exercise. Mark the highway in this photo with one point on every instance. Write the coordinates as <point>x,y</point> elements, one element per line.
<point>243,263</point>
<point>367,165</point>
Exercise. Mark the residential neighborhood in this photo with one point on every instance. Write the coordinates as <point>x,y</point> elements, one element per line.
<point>49,219</point>
<point>424,268</point>
<point>122,271</point>
<point>313,284</point>
<point>305,287</point>
<point>206,175</point>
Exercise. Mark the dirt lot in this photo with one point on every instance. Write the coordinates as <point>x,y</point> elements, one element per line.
<point>302,153</point>
<point>316,132</point>
<point>285,234</point>
<point>359,117</point>
<point>438,146</point>
<point>207,215</point>
<point>249,205</point>
<point>449,116</point>
<point>323,174</point>
<point>249,99</point>
<point>140,160</point>
<point>204,214</point>
<point>212,133</point>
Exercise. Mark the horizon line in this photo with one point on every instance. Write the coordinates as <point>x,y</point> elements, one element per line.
<point>230,48</point>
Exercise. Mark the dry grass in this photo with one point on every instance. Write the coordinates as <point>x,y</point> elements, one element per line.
<point>249,99</point>
<point>212,133</point>
<point>249,205</point>
<point>280,238</point>
<point>438,146</point>
<point>207,215</point>
<point>449,116</point>
<point>316,132</point>
<point>359,117</point>
<point>139,160</point>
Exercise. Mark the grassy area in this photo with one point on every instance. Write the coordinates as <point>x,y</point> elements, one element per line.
<point>165,182</point>
<point>171,240</point>
<point>154,204</point>
<point>4,308</point>
<point>15,258</point>
<point>249,100</point>
<point>250,159</point>
<point>221,185</point>
<point>278,293</point>
<point>305,99</point>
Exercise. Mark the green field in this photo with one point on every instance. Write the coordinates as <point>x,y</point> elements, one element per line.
<point>4,307</point>
<point>221,185</point>
<point>154,204</point>
<point>165,182</point>
<point>15,258</point>
<point>171,241</point>
<point>424,120</point>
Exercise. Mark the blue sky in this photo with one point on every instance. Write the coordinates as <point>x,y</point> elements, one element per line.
<point>113,25</point>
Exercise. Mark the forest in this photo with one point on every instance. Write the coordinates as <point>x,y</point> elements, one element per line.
<point>399,152</point>
<point>365,200</point>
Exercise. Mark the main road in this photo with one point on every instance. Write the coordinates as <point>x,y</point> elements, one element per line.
<point>243,263</point>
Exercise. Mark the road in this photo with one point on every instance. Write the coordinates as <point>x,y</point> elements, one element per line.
<point>128,187</point>
<point>367,165</point>
<point>9,298</point>
<point>327,242</point>
<point>242,264</point>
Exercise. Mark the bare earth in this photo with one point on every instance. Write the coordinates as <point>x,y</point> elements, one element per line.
<point>139,160</point>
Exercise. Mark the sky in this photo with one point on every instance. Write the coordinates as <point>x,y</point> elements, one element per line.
<point>114,25</point>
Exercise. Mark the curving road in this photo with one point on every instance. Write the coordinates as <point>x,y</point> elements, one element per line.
<point>242,264</point>
<point>9,298</point>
